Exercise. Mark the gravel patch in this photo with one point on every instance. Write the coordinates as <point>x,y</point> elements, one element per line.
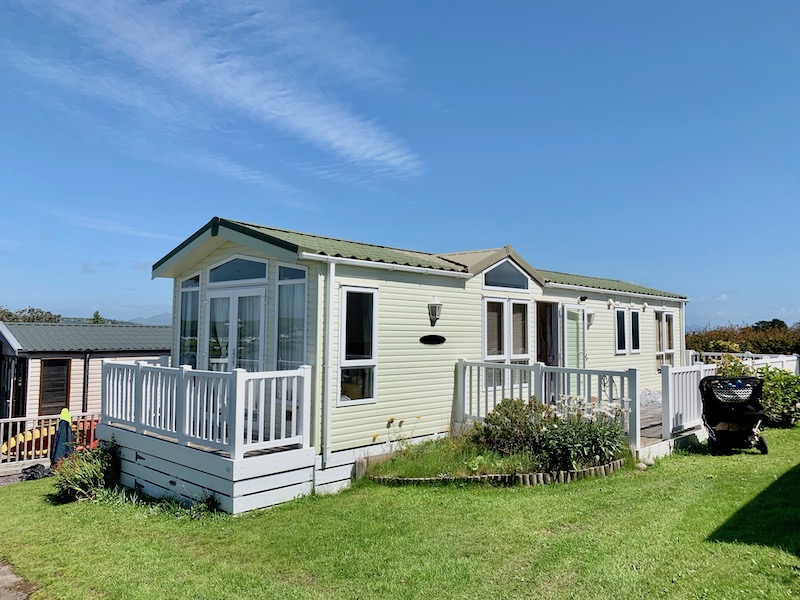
<point>8,479</point>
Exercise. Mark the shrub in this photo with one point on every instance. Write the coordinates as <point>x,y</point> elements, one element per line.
<point>730,366</point>
<point>781,396</point>
<point>556,443</point>
<point>514,427</point>
<point>86,473</point>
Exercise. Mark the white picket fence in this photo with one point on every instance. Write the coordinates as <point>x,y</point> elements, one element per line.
<point>681,404</point>
<point>235,412</point>
<point>480,386</point>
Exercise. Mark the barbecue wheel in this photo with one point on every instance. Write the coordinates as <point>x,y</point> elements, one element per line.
<point>761,444</point>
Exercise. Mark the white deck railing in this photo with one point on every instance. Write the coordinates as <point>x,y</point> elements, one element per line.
<point>28,439</point>
<point>681,403</point>
<point>480,386</point>
<point>785,362</point>
<point>235,412</point>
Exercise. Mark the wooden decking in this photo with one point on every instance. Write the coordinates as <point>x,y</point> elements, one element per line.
<point>650,422</point>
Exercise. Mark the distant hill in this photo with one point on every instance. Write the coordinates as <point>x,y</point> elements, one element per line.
<point>89,320</point>
<point>161,319</point>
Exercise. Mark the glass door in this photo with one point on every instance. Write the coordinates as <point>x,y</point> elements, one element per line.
<point>236,330</point>
<point>574,347</point>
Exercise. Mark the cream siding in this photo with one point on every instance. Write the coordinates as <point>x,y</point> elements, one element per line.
<point>412,379</point>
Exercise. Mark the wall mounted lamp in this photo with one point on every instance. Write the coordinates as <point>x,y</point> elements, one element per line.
<point>434,310</point>
<point>583,298</point>
<point>610,302</point>
<point>645,305</point>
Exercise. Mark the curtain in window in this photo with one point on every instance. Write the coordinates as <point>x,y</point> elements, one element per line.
<point>519,328</point>
<point>248,351</point>
<point>495,344</point>
<point>190,302</point>
<point>218,334</point>
<point>291,325</point>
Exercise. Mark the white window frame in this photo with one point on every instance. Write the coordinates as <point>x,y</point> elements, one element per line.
<point>177,335</point>
<point>507,355</point>
<point>624,350</point>
<point>666,342</point>
<point>371,362</point>
<point>277,303</point>
<point>501,288</point>
<point>239,282</point>
<point>638,313</point>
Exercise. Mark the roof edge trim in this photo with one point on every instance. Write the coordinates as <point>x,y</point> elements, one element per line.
<point>9,337</point>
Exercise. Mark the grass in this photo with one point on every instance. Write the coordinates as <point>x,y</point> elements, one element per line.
<point>693,526</point>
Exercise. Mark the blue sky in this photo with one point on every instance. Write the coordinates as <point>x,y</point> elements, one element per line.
<point>654,142</point>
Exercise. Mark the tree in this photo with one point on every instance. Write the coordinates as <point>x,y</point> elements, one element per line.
<point>28,315</point>
<point>773,324</point>
<point>96,318</point>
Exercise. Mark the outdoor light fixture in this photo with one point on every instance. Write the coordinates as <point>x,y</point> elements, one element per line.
<point>610,302</point>
<point>645,305</point>
<point>583,298</point>
<point>434,310</point>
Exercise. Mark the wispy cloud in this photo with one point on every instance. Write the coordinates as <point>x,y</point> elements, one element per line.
<point>722,298</point>
<point>212,62</point>
<point>109,226</point>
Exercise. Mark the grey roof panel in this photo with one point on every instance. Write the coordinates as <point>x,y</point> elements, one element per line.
<point>90,337</point>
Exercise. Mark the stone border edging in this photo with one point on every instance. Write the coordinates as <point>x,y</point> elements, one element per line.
<point>524,479</point>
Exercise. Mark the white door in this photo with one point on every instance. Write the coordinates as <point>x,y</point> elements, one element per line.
<point>574,356</point>
<point>236,329</point>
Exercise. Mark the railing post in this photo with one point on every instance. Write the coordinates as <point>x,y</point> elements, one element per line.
<point>459,407</point>
<point>667,399</point>
<point>236,413</point>
<point>634,420</point>
<point>538,381</point>
<point>138,397</point>
<point>181,416</point>
<point>103,392</point>
<point>306,406</point>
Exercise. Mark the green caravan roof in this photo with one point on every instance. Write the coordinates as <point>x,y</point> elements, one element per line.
<point>613,285</point>
<point>86,337</point>
<point>324,246</point>
<point>469,263</point>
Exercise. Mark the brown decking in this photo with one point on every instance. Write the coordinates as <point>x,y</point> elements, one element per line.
<point>650,421</point>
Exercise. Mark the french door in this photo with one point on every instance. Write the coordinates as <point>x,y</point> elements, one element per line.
<point>236,329</point>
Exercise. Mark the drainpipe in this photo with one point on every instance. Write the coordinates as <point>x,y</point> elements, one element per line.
<point>85,400</point>
<point>327,394</point>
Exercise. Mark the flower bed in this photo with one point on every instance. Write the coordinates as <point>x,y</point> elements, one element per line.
<point>524,479</point>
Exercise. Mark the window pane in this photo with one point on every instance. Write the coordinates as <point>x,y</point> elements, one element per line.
<point>218,334</point>
<point>194,282</point>
<point>634,330</point>
<point>659,334</point>
<point>670,345</point>
<point>506,275</point>
<point>495,344</point>
<point>291,325</point>
<point>190,302</point>
<point>357,383</point>
<point>288,273</point>
<point>248,330</point>
<point>519,328</point>
<point>55,386</point>
<point>238,269</point>
<point>620,330</point>
<point>358,326</point>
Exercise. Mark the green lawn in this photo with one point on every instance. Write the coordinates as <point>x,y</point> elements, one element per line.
<point>693,526</point>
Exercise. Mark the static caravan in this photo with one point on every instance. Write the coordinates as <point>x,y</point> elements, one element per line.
<point>293,351</point>
<point>45,367</point>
